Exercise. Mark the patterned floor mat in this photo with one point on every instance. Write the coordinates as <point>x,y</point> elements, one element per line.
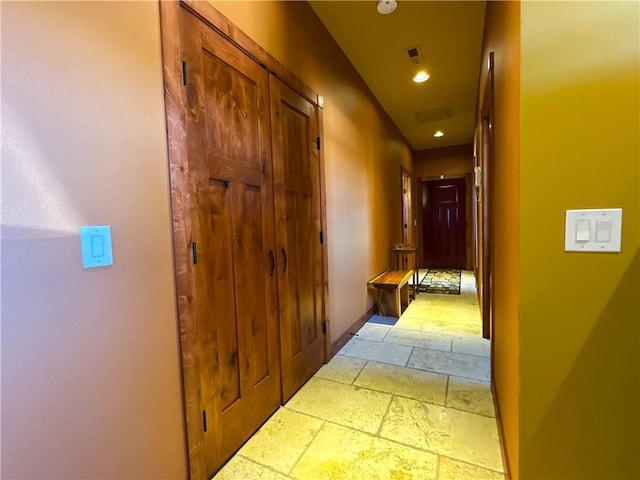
<point>441,280</point>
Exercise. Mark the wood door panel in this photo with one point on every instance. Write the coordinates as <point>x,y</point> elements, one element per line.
<point>218,329</point>
<point>296,181</point>
<point>290,313</point>
<point>306,273</point>
<point>295,128</point>
<point>251,301</point>
<point>232,146</point>
<point>232,224</point>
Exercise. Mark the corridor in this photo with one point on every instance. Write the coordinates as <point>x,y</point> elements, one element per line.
<point>404,401</point>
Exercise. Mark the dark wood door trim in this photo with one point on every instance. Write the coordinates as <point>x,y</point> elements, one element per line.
<point>406,201</point>
<point>175,108</point>
<point>487,141</point>
<point>323,229</point>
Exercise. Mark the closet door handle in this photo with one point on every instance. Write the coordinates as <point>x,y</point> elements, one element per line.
<point>272,260</point>
<point>284,259</point>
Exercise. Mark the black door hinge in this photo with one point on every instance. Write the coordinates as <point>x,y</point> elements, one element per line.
<point>321,236</point>
<point>204,420</point>
<point>194,251</point>
<point>324,327</point>
<point>184,73</point>
<point>318,143</point>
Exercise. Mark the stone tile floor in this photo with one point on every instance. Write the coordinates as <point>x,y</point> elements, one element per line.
<point>409,401</point>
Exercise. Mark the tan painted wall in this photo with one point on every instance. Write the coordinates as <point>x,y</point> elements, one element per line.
<point>90,375</point>
<point>363,150</point>
<point>580,328</point>
<point>502,36</point>
<point>456,160</point>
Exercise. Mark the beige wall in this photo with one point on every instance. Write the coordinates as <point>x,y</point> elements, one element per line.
<point>579,322</point>
<point>502,36</point>
<point>363,150</point>
<point>90,376</point>
<point>450,161</point>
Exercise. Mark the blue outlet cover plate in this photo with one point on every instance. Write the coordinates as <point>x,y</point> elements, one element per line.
<point>96,246</point>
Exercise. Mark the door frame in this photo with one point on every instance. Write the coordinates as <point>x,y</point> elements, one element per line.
<point>486,196</point>
<point>176,103</point>
<point>406,205</point>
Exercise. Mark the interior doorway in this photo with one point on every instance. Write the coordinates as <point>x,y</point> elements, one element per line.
<point>444,224</point>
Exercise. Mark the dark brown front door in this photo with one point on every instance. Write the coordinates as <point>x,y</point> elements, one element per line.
<point>232,228</point>
<point>297,186</point>
<point>444,223</point>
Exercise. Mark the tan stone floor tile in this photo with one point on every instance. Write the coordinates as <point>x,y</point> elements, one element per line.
<point>446,431</point>
<point>424,386</point>
<point>341,369</point>
<point>419,338</point>
<point>370,331</point>
<point>471,396</point>
<point>347,405</point>
<point>339,453</point>
<point>240,468</point>
<point>472,346</point>
<point>377,351</point>
<point>417,308</point>
<point>458,325</point>
<point>454,470</point>
<point>282,439</point>
<point>409,322</point>
<point>451,363</point>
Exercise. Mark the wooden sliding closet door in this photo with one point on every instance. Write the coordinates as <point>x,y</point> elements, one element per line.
<point>297,194</point>
<point>230,192</point>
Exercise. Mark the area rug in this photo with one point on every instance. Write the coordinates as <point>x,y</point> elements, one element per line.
<point>441,280</point>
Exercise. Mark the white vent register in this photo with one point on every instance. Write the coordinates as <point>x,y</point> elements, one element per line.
<point>593,230</point>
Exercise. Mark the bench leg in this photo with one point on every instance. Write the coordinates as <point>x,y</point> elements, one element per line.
<point>404,297</point>
<point>389,303</point>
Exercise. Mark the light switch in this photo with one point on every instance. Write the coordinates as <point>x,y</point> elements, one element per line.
<point>603,230</point>
<point>593,230</point>
<point>583,230</point>
<point>95,242</point>
<point>97,245</point>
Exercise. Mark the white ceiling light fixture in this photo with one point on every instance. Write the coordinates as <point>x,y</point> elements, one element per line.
<point>386,7</point>
<point>421,77</point>
<point>439,134</point>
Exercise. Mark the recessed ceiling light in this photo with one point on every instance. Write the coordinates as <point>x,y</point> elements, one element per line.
<point>386,7</point>
<point>421,77</point>
<point>439,134</point>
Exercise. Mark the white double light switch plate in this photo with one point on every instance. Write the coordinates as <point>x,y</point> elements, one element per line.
<point>596,230</point>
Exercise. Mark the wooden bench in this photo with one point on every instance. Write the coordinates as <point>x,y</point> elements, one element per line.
<point>393,291</point>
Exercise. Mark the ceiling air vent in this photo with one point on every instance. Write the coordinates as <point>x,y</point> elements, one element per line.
<point>415,54</point>
<point>434,115</point>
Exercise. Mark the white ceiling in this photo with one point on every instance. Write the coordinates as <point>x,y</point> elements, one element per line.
<point>449,34</point>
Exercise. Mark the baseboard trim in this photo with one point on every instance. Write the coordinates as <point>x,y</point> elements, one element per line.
<point>353,329</point>
<point>503,443</point>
